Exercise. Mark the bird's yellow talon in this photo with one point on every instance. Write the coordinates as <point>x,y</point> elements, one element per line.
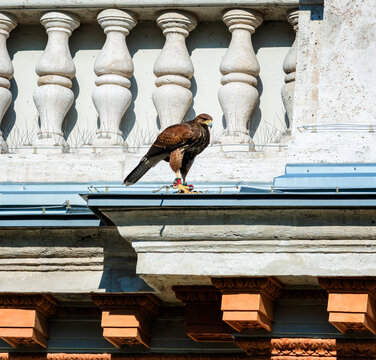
<point>183,189</point>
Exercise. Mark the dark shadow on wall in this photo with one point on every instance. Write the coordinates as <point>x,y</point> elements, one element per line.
<point>118,257</point>
<point>22,38</point>
<point>269,34</point>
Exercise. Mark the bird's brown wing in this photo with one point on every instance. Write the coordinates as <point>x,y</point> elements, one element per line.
<point>171,138</point>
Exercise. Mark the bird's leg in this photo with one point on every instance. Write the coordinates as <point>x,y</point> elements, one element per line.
<point>189,187</point>
<point>178,185</point>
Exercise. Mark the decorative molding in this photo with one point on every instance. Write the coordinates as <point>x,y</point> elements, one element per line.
<point>202,313</point>
<point>197,294</point>
<point>268,285</point>
<point>127,318</point>
<point>45,304</point>
<point>114,68</point>
<point>349,284</point>
<point>62,356</point>
<point>7,23</point>
<point>286,347</point>
<point>148,302</point>
<point>264,348</point>
<point>173,68</point>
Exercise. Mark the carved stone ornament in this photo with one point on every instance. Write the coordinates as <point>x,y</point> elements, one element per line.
<point>351,303</point>
<point>257,348</point>
<point>202,313</point>
<point>247,303</point>
<point>114,68</point>
<point>7,24</point>
<point>289,67</point>
<point>270,286</point>
<point>127,318</point>
<point>238,94</point>
<point>63,356</point>
<point>173,68</point>
<point>23,319</point>
<point>43,303</point>
<point>53,97</point>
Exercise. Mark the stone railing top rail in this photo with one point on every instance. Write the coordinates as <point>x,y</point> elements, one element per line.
<point>29,11</point>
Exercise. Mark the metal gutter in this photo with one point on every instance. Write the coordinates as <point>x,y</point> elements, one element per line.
<point>45,205</point>
<point>236,200</point>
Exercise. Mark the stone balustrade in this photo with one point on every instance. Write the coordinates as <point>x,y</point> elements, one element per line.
<point>53,97</point>
<point>289,67</point>
<point>173,69</point>
<point>238,94</point>
<point>114,68</point>
<point>7,23</point>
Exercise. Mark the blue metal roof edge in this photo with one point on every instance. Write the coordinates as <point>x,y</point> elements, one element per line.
<point>327,177</point>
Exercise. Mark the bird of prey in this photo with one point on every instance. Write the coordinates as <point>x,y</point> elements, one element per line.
<point>178,144</point>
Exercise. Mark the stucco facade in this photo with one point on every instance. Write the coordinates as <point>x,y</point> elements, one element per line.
<point>273,258</point>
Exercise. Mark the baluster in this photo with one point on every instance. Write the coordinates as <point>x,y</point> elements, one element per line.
<point>238,94</point>
<point>289,67</point>
<point>53,97</point>
<point>173,68</point>
<point>7,24</point>
<point>114,68</point>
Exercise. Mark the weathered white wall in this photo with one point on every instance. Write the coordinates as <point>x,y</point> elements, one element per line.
<point>207,45</point>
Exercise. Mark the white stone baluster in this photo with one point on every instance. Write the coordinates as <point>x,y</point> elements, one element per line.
<point>53,97</point>
<point>238,94</point>
<point>114,68</point>
<point>173,68</point>
<point>7,24</point>
<point>289,67</point>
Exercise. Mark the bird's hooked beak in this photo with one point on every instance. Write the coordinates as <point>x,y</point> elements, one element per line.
<point>209,123</point>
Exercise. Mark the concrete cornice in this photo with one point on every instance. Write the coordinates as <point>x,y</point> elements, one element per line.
<point>30,11</point>
<point>51,4</point>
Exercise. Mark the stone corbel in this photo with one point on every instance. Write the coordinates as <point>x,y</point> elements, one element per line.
<point>127,318</point>
<point>23,319</point>
<point>248,303</point>
<point>351,303</point>
<point>202,313</point>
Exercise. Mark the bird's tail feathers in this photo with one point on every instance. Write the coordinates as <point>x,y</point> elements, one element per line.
<point>141,169</point>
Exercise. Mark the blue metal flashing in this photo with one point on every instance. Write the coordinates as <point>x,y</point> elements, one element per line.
<point>75,204</point>
<point>327,177</point>
<point>41,205</point>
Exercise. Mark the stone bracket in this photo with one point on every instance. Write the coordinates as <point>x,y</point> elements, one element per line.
<point>23,319</point>
<point>127,318</point>
<point>202,313</point>
<point>351,304</point>
<point>247,303</point>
